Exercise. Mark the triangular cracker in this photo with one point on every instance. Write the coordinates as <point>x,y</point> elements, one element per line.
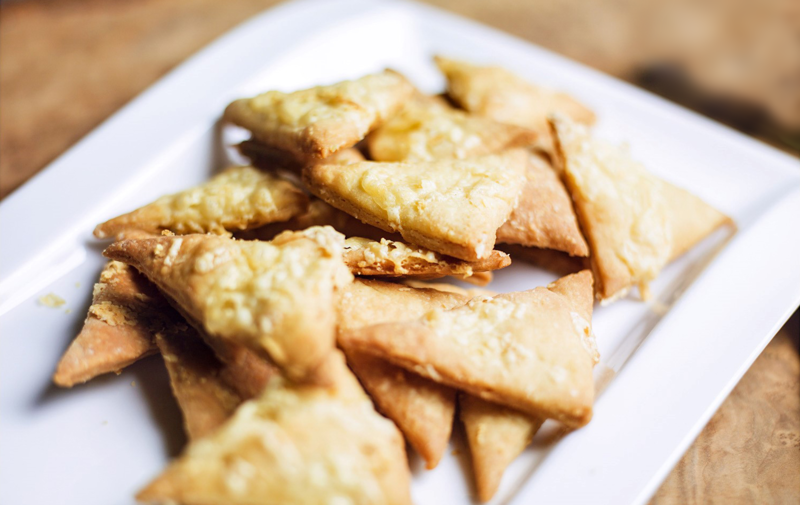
<point>277,298</point>
<point>530,350</point>
<point>236,199</point>
<point>196,376</point>
<point>319,121</point>
<point>126,312</point>
<point>453,207</point>
<point>505,97</point>
<point>621,207</point>
<point>390,258</point>
<point>496,435</point>
<point>422,409</point>
<point>544,216</point>
<point>428,129</point>
<point>294,444</point>
<point>691,218</point>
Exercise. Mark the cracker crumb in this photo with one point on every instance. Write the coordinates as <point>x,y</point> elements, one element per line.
<point>68,311</point>
<point>104,423</point>
<point>133,384</point>
<point>51,300</point>
<point>455,452</point>
<point>659,308</point>
<point>77,285</point>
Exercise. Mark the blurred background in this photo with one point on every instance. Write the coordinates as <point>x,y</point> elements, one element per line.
<point>67,65</point>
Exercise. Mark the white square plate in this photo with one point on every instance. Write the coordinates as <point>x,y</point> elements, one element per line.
<point>98,443</point>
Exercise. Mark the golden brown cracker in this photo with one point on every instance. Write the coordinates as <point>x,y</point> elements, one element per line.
<point>453,207</point>
<point>299,444</point>
<point>236,199</point>
<point>319,121</point>
<point>530,350</point>
<point>276,298</point>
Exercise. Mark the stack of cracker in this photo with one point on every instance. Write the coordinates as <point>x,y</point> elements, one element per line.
<point>287,297</point>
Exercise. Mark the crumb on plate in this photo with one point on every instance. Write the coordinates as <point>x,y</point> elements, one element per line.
<point>51,300</point>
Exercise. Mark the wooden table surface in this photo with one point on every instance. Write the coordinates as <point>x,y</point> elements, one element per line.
<point>67,65</point>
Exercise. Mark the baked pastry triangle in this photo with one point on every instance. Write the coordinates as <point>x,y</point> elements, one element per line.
<point>427,129</point>
<point>544,216</point>
<point>531,350</point>
<point>298,444</point>
<point>277,298</point>
<point>690,218</point>
<point>496,435</point>
<point>505,97</point>
<point>622,209</point>
<point>319,121</point>
<point>453,207</point>
<point>126,312</point>
<point>390,258</point>
<point>198,382</point>
<point>236,199</point>
<point>421,408</point>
